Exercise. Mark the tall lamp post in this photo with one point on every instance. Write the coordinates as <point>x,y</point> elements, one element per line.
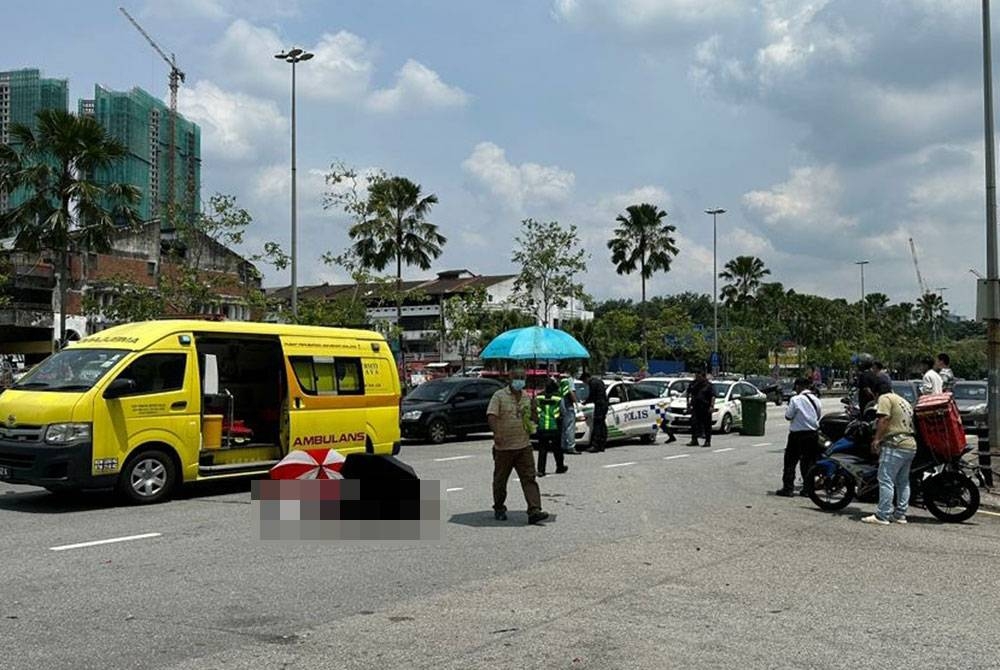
<point>864,325</point>
<point>293,56</point>
<point>990,285</point>
<point>715,287</point>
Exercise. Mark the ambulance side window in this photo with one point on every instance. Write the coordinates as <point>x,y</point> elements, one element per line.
<point>156,373</point>
<point>324,375</point>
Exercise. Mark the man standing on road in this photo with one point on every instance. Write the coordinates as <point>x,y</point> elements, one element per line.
<point>597,394</point>
<point>567,391</point>
<point>932,382</point>
<point>701,401</point>
<point>943,367</point>
<point>884,380</point>
<point>549,428</point>
<point>896,448</point>
<point>868,382</point>
<point>803,438</point>
<point>511,415</point>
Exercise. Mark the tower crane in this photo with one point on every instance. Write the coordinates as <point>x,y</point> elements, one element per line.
<point>176,77</point>
<point>916,265</point>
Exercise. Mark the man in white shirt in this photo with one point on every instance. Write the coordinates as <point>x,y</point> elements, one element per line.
<point>932,382</point>
<point>943,367</point>
<point>802,447</point>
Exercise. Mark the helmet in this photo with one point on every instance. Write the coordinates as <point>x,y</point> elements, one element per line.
<point>864,361</point>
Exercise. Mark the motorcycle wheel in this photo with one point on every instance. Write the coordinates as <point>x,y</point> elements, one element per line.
<point>830,493</point>
<point>951,497</point>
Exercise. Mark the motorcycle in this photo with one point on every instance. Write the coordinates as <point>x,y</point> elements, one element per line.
<point>849,469</point>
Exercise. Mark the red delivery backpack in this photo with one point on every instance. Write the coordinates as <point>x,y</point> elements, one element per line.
<point>939,425</point>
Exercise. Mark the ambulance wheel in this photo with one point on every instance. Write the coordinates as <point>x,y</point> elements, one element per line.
<point>148,477</point>
<point>437,431</point>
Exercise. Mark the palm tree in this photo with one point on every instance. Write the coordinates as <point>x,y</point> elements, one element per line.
<point>644,242</point>
<point>744,275</point>
<point>64,209</point>
<point>396,228</point>
<point>931,310</point>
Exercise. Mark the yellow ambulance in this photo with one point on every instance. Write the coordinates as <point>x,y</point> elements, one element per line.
<point>147,406</point>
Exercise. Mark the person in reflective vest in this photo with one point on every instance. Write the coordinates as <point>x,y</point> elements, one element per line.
<point>550,427</point>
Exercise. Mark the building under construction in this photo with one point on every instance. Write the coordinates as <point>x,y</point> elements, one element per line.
<point>142,123</point>
<point>24,93</point>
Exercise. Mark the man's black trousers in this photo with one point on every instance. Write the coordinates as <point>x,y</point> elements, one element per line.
<point>802,449</point>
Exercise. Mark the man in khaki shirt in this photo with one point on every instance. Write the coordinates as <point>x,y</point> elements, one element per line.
<point>511,417</point>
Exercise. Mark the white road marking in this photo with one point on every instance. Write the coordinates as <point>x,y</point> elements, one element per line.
<point>81,545</point>
<point>670,458</point>
<point>452,458</point>
<point>457,488</point>
<point>763,444</point>
<point>719,451</point>
<point>982,511</point>
<point>619,465</point>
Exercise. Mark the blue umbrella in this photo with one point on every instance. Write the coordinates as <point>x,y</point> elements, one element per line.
<point>535,343</point>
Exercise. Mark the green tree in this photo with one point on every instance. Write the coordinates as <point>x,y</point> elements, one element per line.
<point>931,312</point>
<point>64,209</point>
<point>463,319</point>
<point>643,242</point>
<point>744,275</point>
<point>549,256</point>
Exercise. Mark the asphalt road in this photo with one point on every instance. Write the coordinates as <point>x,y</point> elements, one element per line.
<point>657,556</point>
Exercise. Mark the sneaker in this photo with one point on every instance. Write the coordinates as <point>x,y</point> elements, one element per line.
<point>561,470</point>
<point>874,518</point>
<point>784,493</point>
<point>537,517</point>
<point>593,451</point>
<point>500,515</point>
<point>540,474</point>
<point>899,519</point>
<point>573,452</point>
<point>692,443</point>
<point>672,438</point>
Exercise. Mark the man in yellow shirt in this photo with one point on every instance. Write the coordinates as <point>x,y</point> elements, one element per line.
<point>896,447</point>
<point>511,416</point>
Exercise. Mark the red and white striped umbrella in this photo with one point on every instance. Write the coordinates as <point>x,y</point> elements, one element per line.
<point>309,464</point>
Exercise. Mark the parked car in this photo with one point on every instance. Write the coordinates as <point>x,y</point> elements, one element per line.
<point>449,406</point>
<point>631,413</point>
<point>769,386</point>
<point>728,412</point>
<point>971,398</point>
<point>667,387</point>
<point>907,389</point>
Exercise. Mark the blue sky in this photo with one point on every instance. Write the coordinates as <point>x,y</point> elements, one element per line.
<point>831,130</point>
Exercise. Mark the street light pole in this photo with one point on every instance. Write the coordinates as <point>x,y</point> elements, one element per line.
<point>992,277</point>
<point>715,287</point>
<point>294,56</point>
<point>864,325</point>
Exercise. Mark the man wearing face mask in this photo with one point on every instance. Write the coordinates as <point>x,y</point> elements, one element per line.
<point>511,415</point>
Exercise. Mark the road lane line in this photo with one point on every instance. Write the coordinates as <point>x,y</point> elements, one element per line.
<point>763,444</point>
<point>95,543</point>
<point>670,458</point>
<point>982,511</point>
<point>451,458</point>
<point>619,465</point>
<point>719,451</point>
<point>457,488</point>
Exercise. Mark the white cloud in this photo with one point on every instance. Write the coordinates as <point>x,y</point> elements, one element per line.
<point>234,126</point>
<point>517,185</point>
<point>642,15</point>
<point>417,86</point>
<point>340,70</point>
<point>807,201</point>
<point>217,10</point>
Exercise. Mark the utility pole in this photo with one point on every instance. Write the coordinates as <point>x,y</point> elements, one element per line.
<point>715,288</point>
<point>992,317</point>
<point>864,325</point>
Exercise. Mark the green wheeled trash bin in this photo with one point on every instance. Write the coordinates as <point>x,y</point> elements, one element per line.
<point>754,415</point>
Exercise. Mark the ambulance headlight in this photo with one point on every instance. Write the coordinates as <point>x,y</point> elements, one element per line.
<point>67,433</point>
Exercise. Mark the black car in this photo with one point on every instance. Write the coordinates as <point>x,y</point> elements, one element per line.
<point>971,398</point>
<point>449,406</point>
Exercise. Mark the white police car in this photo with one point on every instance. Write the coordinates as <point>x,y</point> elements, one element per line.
<point>632,413</point>
<point>728,412</point>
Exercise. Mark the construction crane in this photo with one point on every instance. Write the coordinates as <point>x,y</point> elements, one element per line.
<point>916,266</point>
<point>176,77</point>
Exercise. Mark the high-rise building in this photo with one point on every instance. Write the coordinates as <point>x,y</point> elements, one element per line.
<point>142,123</point>
<point>24,93</point>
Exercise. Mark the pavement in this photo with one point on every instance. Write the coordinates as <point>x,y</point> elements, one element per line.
<point>656,556</point>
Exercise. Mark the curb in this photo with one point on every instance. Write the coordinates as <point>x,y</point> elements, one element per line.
<point>989,501</point>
